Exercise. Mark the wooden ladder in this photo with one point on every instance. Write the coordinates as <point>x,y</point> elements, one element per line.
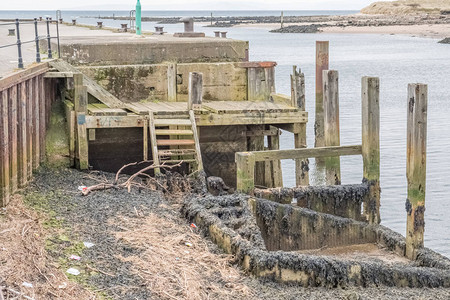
<point>172,146</point>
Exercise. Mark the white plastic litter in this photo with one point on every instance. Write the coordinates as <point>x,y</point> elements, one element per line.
<point>88,244</point>
<point>81,187</point>
<point>188,244</point>
<point>27,284</point>
<point>75,257</point>
<point>73,271</point>
<point>63,285</point>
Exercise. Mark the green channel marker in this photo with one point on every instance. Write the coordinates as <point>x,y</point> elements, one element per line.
<point>138,17</point>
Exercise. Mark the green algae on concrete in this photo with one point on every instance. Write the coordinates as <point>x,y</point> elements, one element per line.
<point>57,139</point>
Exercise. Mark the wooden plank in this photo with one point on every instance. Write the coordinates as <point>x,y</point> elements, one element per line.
<point>4,149</point>
<point>252,118</point>
<point>36,123</point>
<point>114,121</point>
<point>175,142</point>
<point>153,141</point>
<point>256,143</point>
<point>91,134</point>
<point>370,93</point>
<point>195,90</point>
<point>58,75</point>
<point>45,107</point>
<point>82,141</point>
<point>92,87</point>
<point>172,82</point>
<point>308,152</point>
<point>173,132</point>
<point>248,106</point>
<point>145,140</point>
<point>277,174</point>
<point>13,159</point>
<point>281,99</point>
<point>322,63</point>
<point>22,135</point>
<point>18,77</point>
<point>70,117</point>
<point>331,124</point>
<point>167,122</point>
<point>197,141</point>
<point>30,130</point>
<point>416,167</point>
<point>80,94</point>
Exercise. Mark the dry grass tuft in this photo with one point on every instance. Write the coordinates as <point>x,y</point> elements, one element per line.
<point>23,258</point>
<point>177,263</point>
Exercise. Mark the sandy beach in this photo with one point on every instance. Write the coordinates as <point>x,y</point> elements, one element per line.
<point>422,30</point>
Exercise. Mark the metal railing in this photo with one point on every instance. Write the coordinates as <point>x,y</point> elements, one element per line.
<point>36,39</point>
<point>132,19</point>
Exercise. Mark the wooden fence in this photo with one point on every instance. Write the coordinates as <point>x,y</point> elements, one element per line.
<point>25,104</point>
<point>370,148</point>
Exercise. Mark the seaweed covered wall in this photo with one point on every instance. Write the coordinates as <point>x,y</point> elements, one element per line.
<point>228,221</point>
<point>289,228</point>
<point>339,200</point>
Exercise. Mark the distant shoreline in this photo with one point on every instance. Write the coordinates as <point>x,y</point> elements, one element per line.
<point>422,25</point>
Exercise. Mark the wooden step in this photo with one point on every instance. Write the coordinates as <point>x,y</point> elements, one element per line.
<point>175,142</point>
<point>176,152</point>
<point>175,161</point>
<point>173,132</point>
<point>167,122</point>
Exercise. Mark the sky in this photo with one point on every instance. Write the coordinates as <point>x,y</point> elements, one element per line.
<point>185,4</point>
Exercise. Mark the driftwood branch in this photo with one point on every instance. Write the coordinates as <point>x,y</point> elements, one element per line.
<point>129,182</point>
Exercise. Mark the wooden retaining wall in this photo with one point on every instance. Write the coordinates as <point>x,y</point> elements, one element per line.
<point>25,104</point>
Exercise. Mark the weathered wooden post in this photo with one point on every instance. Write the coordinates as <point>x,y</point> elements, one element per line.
<point>80,102</point>
<point>195,90</point>
<point>172,82</point>
<point>4,149</point>
<point>331,124</point>
<point>298,100</point>
<point>245,178</point>
<point>370,94</point>
<point>22,135</point>
<point>322,63</point>
<point>416,158</point>
<point>13,121</point>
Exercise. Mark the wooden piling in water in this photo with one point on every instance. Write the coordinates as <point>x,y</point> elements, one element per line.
<point>416,167</point>
<point>195,90</point>
<point>322,63</point>
<point>370,94</point>
<point>298,99</point>
<point>331,124</point>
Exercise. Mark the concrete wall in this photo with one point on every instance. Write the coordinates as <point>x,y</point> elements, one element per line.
<point>287,228</point>
<point>134,83</point>
<point>150,51</point>
<point>227,220</point>
<point>339,200</point>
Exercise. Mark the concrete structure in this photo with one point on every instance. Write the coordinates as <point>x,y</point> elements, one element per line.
<point>128,50</point>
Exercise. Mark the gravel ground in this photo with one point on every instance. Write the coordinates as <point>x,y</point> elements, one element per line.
<point>94,218</point>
